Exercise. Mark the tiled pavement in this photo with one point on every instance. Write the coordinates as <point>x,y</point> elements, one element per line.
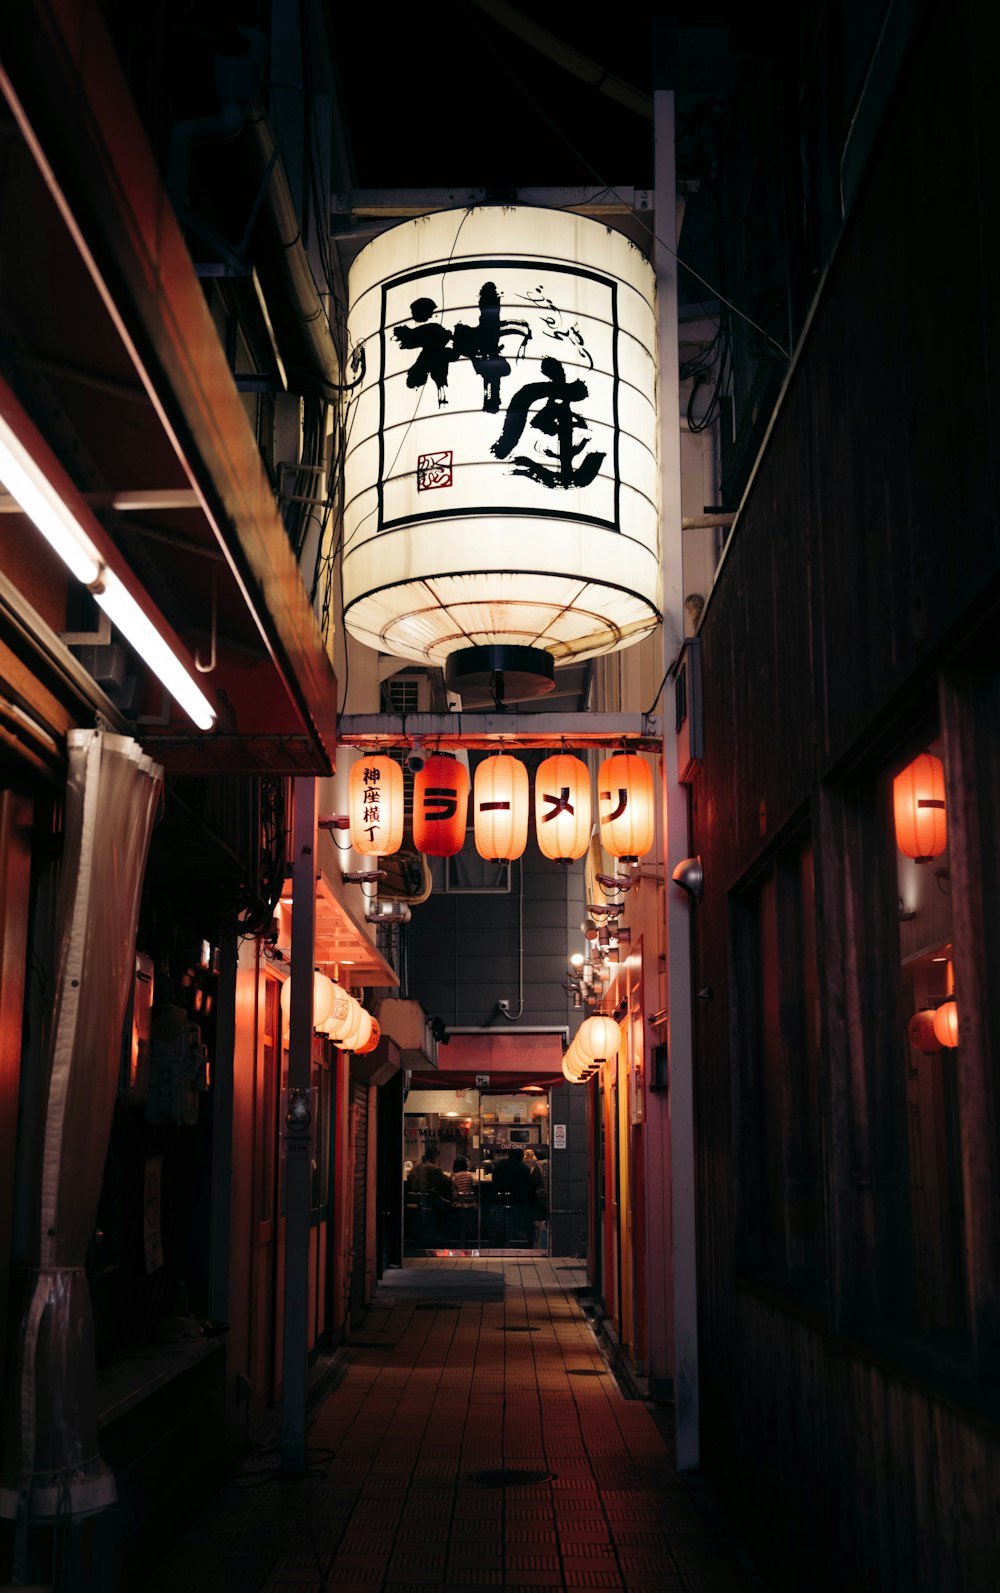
<point>462,1367</point>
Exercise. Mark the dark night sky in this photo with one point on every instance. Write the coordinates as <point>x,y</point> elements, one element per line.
<point>452,98</point>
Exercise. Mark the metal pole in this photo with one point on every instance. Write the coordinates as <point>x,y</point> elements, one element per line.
<point>297,1128</point>
<point>222,1129</point>
<point>681,1096</point>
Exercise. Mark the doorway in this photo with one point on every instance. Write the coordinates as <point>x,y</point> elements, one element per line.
<point>475,1170</point>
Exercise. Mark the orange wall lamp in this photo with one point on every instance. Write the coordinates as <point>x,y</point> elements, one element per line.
<point>919,811</point>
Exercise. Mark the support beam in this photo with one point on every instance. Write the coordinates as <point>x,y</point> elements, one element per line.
<point>678,1121</point>
<point>395,204</point>
<point>298,1133</point>
<point>378,732</point>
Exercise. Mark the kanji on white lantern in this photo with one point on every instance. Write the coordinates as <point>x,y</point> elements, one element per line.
<point>501,478</point>
<point>500,808</point>
<point>562,807</point>
<point>375,805</point>
<point>625,805</point>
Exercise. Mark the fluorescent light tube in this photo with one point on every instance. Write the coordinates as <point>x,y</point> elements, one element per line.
<point>30,487</point>
<point>123,610</point>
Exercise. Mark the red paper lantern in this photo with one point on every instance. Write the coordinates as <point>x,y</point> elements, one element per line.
<point>440,806</point>
<point>500,803</point>
<point>562,807</point>
<point>375,805</point>
<point>919,809</point>
<point>372,1040</point>
<point>625,805</point>
<point>946,1023</point>
<point>921,1031</point>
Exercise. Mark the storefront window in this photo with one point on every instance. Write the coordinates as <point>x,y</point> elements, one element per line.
<point>475,1169</point>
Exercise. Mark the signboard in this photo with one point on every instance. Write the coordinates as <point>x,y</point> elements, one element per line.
<point>559,1136</point>
<point>503,441</point>
<point>482,1081</point>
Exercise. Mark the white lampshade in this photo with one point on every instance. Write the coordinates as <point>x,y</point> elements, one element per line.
<point>323,995</point>
<point>343,1015</point>
<point>599,1038</point>
<point>501,477</point>
<point>360,1034</point>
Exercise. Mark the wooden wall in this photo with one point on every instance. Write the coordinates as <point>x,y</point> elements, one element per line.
<point>866,558</point>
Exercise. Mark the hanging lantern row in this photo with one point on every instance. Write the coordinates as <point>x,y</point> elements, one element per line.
<point>501,807</point>
<point>596,1041</point>
<point>337,1015</point>
<point>919,810</point>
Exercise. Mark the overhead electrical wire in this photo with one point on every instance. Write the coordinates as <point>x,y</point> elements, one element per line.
<point>609,188</point>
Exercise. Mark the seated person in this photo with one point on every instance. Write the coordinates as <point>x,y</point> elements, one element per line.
<point>463,1198</point>
<point>431,1189</point>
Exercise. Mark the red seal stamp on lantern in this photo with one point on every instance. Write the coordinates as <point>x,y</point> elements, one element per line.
<point>434,470</point>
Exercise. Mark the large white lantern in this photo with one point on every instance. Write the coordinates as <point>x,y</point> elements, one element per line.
<point>500,476</point>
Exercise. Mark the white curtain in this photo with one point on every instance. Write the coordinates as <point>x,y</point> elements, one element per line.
<point>52,1468</point>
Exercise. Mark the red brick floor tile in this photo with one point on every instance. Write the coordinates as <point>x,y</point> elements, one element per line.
<point>403,1434</point>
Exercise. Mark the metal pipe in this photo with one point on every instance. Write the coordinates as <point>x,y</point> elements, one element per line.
<point>299,281</point>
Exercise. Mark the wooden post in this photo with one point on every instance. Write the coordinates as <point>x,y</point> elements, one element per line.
<point>678,1118</point>
<point>298,1134</point>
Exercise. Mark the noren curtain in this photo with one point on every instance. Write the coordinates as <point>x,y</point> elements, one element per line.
<point>52,1467</point>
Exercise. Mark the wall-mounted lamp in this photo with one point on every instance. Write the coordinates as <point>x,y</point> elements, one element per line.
<point>689,876</point>
<point>388,912</point>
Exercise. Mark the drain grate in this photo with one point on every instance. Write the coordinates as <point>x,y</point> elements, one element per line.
<point>509,1479</point>
<point>368,1344</point>
<point>436,1305</point>
<point>514,1328</point>
<point>586,1371</point>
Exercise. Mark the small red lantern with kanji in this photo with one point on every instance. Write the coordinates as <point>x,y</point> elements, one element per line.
<point>562,807</point>
<point>375,805</point>
<point>625,805</point>
<point>440,806</point>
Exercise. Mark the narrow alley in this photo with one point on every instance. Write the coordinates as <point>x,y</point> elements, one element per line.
<point>474,1437</point>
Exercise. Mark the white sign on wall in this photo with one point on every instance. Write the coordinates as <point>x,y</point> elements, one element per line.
<point>559,1136</point>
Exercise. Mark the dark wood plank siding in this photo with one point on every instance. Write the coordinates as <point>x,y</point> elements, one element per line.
<point>866,554</point>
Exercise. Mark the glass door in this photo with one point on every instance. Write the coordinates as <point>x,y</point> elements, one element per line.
<point>475,1170</point>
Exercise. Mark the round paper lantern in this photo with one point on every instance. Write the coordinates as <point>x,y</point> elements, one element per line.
<point>375,805</point>
<point>500,804</point>
<point>562,807</point>
<point>919,809</point>
<point>946,1023</point>
<point>440,806</point>
<point>343,1015</point>
<point>599,1038</point>
<point>501,479</point>
<point>625,805</point>
<point>921,1031</point>
<point>323,994</point>
<point>361,1032</point>
<point>372,1041</point>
